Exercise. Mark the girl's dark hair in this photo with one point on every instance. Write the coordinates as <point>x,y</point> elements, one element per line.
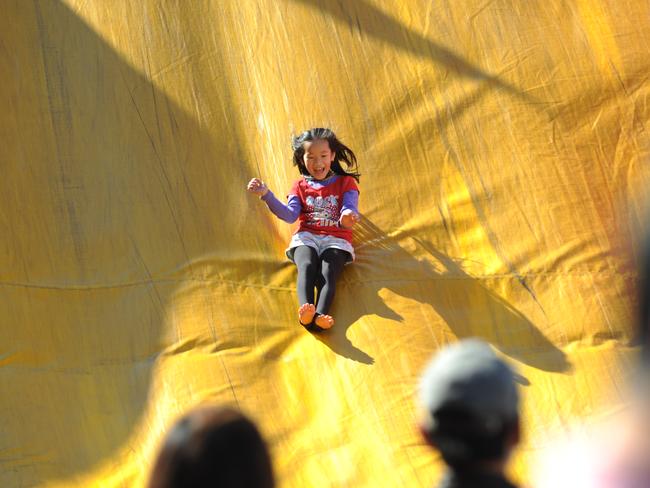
<point>213,446</point>
<point>342,152</point>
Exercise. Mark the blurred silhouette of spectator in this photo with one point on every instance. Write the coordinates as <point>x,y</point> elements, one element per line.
<point>612,451</point>
<point>470,414</point>
<point>643,327</point>
<point>213,446</point>
<point>623,460</point>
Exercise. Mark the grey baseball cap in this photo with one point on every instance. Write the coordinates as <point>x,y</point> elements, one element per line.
<point>468,376</point>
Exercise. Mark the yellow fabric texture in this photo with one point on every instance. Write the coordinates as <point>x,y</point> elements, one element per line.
<point>503,148</point>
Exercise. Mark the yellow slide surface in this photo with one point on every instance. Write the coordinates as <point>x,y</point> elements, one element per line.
<point>503,147</point>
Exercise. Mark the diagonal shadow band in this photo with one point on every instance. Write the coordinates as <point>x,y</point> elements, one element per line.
<point>371,21</point>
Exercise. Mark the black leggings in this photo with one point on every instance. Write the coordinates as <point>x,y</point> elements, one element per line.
<point>320,273</point>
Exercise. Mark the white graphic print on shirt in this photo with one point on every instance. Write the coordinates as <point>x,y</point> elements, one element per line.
<point>322,211</point>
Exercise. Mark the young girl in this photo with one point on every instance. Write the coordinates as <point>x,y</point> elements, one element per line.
<point>325,199</point>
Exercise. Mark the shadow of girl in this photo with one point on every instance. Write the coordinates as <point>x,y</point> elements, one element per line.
<point>468,307</point>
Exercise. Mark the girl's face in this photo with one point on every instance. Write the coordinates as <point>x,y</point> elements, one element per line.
<point>318,158</point>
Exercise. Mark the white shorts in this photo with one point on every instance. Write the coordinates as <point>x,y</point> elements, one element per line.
<point>319,242</point>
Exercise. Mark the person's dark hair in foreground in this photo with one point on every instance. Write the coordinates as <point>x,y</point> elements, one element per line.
<point>471,414</point>
<point>213,446</point>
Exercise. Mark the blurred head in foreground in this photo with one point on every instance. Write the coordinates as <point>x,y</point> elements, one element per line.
<point>213,446</point>
<point>470,408</point>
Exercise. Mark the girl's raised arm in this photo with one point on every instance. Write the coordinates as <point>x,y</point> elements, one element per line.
<point>257,187</point>
<point>289,213</point>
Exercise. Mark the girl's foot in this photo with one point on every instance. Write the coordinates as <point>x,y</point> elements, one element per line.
<point>306,314</point>
<point>324,321</point>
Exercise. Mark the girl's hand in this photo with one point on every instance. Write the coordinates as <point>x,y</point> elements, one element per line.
<point>257,187</point>
<point>348,219</point>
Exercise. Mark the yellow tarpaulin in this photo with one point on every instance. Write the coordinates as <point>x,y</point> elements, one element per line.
<point>503,148</point>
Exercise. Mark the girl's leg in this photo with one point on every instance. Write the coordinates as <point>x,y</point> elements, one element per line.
<point>308,264</point>
<point>332,262</point>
